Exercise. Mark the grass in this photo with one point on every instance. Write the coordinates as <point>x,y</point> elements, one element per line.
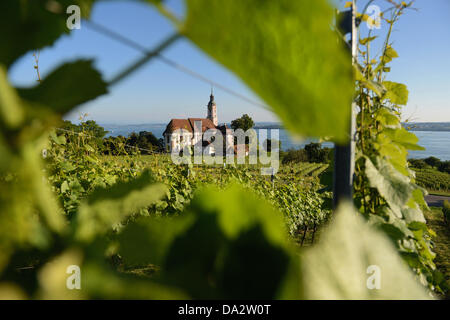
<point>435,220</point>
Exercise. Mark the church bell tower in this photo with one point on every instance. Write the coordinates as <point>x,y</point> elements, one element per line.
<point>212,109</point>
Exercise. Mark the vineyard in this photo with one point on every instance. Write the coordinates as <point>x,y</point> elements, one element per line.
<point>432,179</point>
<point>77,166</point>
<point>141,226</point>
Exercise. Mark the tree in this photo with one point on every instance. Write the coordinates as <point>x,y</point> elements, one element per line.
<point>294,156</point>
<point>93,128</point>
<point>145,140</point>
<point>316,153</point>
<point>90,128</point>
<point>433,161</point>
<point>417,163</point>
<point>245,122</point>
<point>444,166</point>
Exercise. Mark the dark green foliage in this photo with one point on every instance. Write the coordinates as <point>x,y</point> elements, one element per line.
<point>34,24</point>
<point>417,163</point>
<point>227,249</point>
<point>429,163</point>
<point>292,155</point>
<point>445,166</point>
<point>313,152</point>
<point>145,141</point>
<point>432,161</point>
<point>316,153</point>
<point>55,92</point>
<point>86,130</point>
<point>244,123</point>
<point>116,146</point>
<point>93,128</point>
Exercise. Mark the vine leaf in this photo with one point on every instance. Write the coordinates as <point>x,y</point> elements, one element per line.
<point>369,84</point>
<point>388,119</point>
<point>226,241</point>
<point>393,186</point>
<point>106,208</point>
<point>31,24</point>
<point>389,54</point>
<point>155,233</point>
<point>397,93</point>
<point>97,281</point>
<point>348,255</point>
<point>367,40</point>
<point>275,51</point>
<point>404,138</point>
<point>55,91</point>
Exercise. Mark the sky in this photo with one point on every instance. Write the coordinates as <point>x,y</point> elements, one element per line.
<point>157,92</point>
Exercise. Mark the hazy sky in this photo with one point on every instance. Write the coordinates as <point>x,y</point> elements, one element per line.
<point>158,92</point>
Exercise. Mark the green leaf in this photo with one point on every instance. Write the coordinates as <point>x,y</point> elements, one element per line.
<point>389,54</point>
<point>147,241</point>
<point>397,93</point>
<point>103,283</point>
<point>64,186</point>
<point>98,281</point>
<point>393,186</point>
<point>339,267</point>
<point>369,84</point>
<point>11,111</point>
<point>413,215</point>
<point>106,208</point>
<point>231,217</point>
<point>276,52</point>
<point>404,138</point>
<point>387,119</point>
<point>62,95</point>
<point>223,246</point>
<point>37,23</point>
<point>367,40</point>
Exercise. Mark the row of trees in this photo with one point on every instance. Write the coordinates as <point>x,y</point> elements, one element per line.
<point>144,140</point>
<point>430,162</point>
<point>312,152</point>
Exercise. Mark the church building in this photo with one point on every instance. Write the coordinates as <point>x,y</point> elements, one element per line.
<point>183,132</point>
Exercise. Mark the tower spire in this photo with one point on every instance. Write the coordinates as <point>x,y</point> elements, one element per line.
<point>212,109</point>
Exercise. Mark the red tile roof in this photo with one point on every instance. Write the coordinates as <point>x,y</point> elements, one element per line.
<point>188,124</point>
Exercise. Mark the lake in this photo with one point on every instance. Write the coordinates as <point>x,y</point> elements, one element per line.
<point>436,143</point>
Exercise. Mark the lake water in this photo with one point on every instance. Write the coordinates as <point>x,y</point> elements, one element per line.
<point>436,143</point>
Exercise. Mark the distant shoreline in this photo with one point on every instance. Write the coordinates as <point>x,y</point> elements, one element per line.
<point>411,126</point>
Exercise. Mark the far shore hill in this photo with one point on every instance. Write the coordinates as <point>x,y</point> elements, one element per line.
<point>411,126</point>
